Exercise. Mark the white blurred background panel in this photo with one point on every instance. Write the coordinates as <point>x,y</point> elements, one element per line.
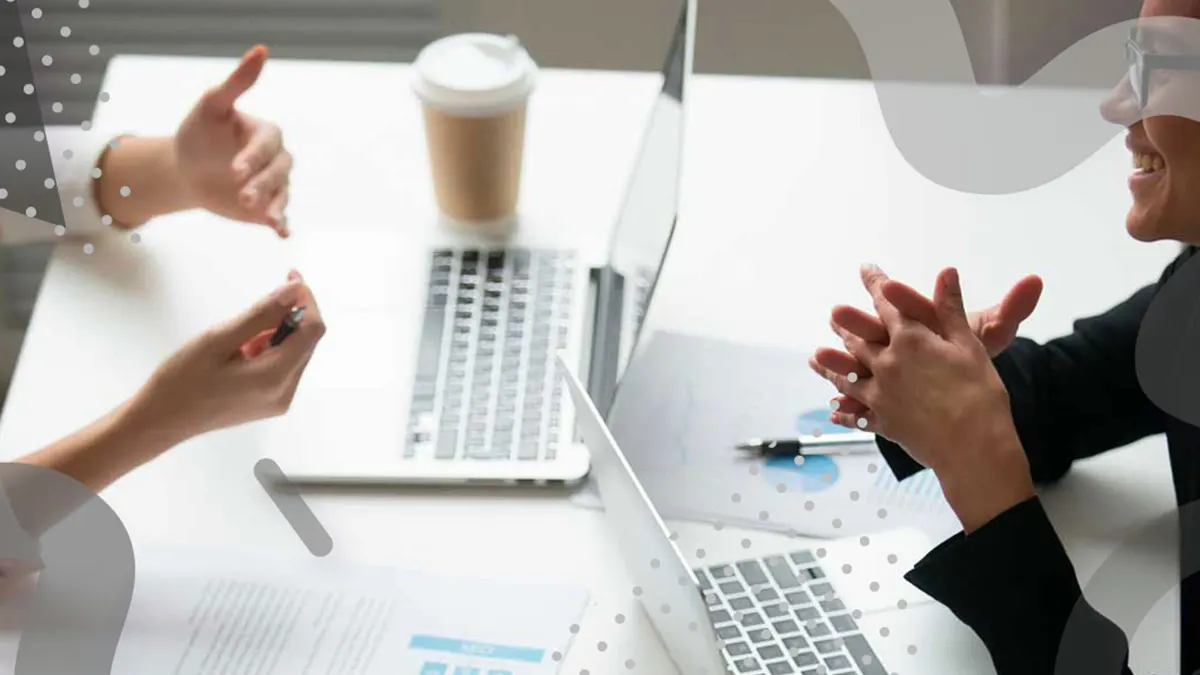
<point>1008,40</point>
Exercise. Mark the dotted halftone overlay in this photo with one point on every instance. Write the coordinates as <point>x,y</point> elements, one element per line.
<point>28,182</point>
<point>804,627</point>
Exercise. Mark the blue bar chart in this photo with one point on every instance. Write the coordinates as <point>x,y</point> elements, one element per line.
<point>919,493</point>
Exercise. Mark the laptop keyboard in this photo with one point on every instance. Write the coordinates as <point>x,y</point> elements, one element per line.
<point>485,386</point>
<point>778,615</point>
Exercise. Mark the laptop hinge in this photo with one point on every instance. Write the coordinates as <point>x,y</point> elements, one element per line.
<point>608,313</point>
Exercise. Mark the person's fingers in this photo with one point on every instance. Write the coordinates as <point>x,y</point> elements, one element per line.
<point>848,384</point>
<point>277,212</point>
<point>261,189</point>
<point>848,405</point>
<point>298,372</point>
<point>220,99</point>
<point>266,314</point>
<point>911,304</point>
<point>304,339</point>
<point>310,300</point>
<point>262,148</point>
<point>947,297</point>
<point>843,371</point>
<point>300,343</point>
<point>862,324</point>
<point>1018,304</point>
<point>279,370</point>
<point>864,352</point>
<point>873,280</point>
<point>842,363</point>
<point>861,422</point>
<point>257,345</point>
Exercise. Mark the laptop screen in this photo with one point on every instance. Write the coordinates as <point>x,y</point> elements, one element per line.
<point>647,220</point>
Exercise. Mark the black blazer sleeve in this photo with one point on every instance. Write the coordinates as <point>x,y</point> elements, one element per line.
<point>1012,583</point>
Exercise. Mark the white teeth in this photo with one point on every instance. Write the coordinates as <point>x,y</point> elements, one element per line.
<point>1148,163</point>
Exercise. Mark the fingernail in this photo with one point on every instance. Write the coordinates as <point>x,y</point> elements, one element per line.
<point>249,196</point>
<point>952,276</point>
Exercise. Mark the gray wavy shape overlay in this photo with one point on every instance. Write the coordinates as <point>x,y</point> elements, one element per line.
<point>1168,345</point>
<point>973,140</point>
<point>56,526</point>
<point>1090,643</point>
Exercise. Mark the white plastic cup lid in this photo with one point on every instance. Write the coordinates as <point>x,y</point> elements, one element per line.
<point>474,73</point>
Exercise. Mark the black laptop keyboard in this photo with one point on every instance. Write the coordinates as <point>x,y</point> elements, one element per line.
<point>779,615</point>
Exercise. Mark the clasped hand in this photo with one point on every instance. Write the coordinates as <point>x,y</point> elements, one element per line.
<point>920,373</point>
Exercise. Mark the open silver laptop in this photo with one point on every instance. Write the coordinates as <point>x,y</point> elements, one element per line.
<point>821,607</point>
<point>485,405</point>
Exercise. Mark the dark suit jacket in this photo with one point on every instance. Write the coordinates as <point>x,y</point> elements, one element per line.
<point>1011,580</point>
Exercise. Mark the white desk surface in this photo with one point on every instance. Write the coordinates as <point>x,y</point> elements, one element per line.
<point>788,186</point>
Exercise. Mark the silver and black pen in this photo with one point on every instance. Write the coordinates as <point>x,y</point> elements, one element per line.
<point>288,326</point>
<point>847,443</point>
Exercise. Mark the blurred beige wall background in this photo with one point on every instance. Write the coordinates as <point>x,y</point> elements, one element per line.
<point>1009,40</point>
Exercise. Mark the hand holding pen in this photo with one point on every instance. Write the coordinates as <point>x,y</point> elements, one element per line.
<point>244,369</point>
<point>290,323</point>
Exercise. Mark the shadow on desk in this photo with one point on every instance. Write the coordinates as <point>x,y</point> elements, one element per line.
<point>455,492</point>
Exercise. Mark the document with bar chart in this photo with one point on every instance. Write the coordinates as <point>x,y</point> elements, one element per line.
<point>921,492</point>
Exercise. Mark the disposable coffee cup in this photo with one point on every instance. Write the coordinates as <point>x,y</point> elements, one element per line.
<point>474,89</point>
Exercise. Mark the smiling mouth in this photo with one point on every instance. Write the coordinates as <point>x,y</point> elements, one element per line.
<point>1147,163</point>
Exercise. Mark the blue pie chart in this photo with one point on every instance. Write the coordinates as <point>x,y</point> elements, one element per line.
<point>813,474</point>
<point>813,422</point>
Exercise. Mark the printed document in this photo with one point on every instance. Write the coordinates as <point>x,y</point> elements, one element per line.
<point>202,614</point>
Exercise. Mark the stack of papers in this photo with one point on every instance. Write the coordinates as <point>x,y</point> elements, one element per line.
<point>200,614</point>
<point>685,403</point>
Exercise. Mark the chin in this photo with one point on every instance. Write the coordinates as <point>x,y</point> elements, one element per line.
<point>1143,226</point>
<point>1140,230</point>
<point>1150,226</point>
